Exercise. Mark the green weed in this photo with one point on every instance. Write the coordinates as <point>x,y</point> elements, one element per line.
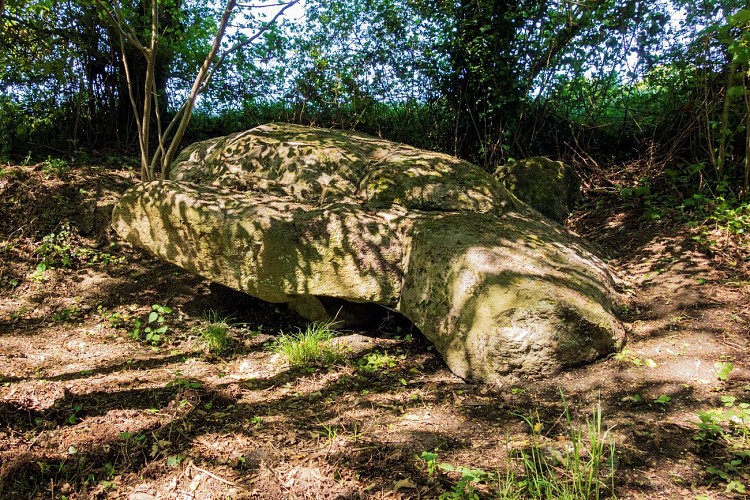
<point>116,319</point>
<point>71,313</point>
<point>330,432</point>
<point>375,361</point>
<point>181,382</point>
<point>215,333</point>
<point>627,357</point>
<point>57,248</point>
<point>729,426</point>
<point>663,400</point>
<point>154,327</point>
<point>723,369</point>
<point>73,418</point>
<point>55,167</point>
<point>309,347</point>
<point>583,469</point>
<point>62,249</point>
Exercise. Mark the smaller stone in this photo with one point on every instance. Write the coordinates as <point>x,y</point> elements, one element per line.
<point>551,187</point>
<point>139,495</point>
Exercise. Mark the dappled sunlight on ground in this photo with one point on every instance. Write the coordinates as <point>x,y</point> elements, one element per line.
<point>89,411</point>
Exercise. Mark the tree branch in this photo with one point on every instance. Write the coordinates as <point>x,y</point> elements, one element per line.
<point>245,43</point>
<point>117,22</point>
<point>260,31</point>
<point>197,85</point>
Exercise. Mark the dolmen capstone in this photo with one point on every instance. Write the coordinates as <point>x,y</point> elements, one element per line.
<point>293,214</point>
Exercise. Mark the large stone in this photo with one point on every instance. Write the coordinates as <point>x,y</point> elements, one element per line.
<point>317,217</point>
<point>265,246</point>
<point>510,295</point>
<point>551,187</point>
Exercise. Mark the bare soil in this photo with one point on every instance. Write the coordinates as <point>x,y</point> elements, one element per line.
<point>88,411</point>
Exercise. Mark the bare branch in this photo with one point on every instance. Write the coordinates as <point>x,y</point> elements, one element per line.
<point>247,42</point>
<point>260,31</point>
<point>197,85</point>
<point>117,22</point>
<point>259,6</point>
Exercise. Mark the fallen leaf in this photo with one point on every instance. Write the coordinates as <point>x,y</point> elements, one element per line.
<point>404,484</point>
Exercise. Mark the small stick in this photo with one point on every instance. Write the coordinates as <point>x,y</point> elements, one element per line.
<point>221,479</point>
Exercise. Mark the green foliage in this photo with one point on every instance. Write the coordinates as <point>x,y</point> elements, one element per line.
<point>215,333</point>
<point>307,348</point>
<point>723,369</point>
<point>731,214</point>
<point>583,469</point>
<point>57,249</point>
<point>153,328</point>
<point>728,426</point>
<point>663,400</point>
<point>73,418</point>
<point>376,361</point>
<point>729,423</point>
<point>55,167</point>
<point>68,314</point>
<point>63,249</point>
<point>183,383</point>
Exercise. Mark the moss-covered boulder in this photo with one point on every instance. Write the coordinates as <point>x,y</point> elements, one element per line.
<point>268,247</point>
<point>313,217</point>
<point>552,187</point>
<point>509,295</point>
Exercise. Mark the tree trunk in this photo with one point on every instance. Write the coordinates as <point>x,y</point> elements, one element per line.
<point>484,86</point>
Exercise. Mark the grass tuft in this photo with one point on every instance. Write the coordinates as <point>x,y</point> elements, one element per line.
<point>583,469</point>
<point>309,347</point>
<point>215,333</point>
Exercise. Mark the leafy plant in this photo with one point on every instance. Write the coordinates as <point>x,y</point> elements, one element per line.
<point>68,314</point>
<point>626,356</point>
<point>728,425</point>
<point>175,460</point>
<point>55,167</point>
<point>308,347</point>
<point>116,319</point>
<point>38,274</point>
<point>73,418</point>
<point>723,369</point>
<point>375,361</point>
<point>153,328</point>
<point>183,382</point>
<point>729,472</point>
<point>663,400</point>
<point>56,249</point>
<point>430,460</point>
